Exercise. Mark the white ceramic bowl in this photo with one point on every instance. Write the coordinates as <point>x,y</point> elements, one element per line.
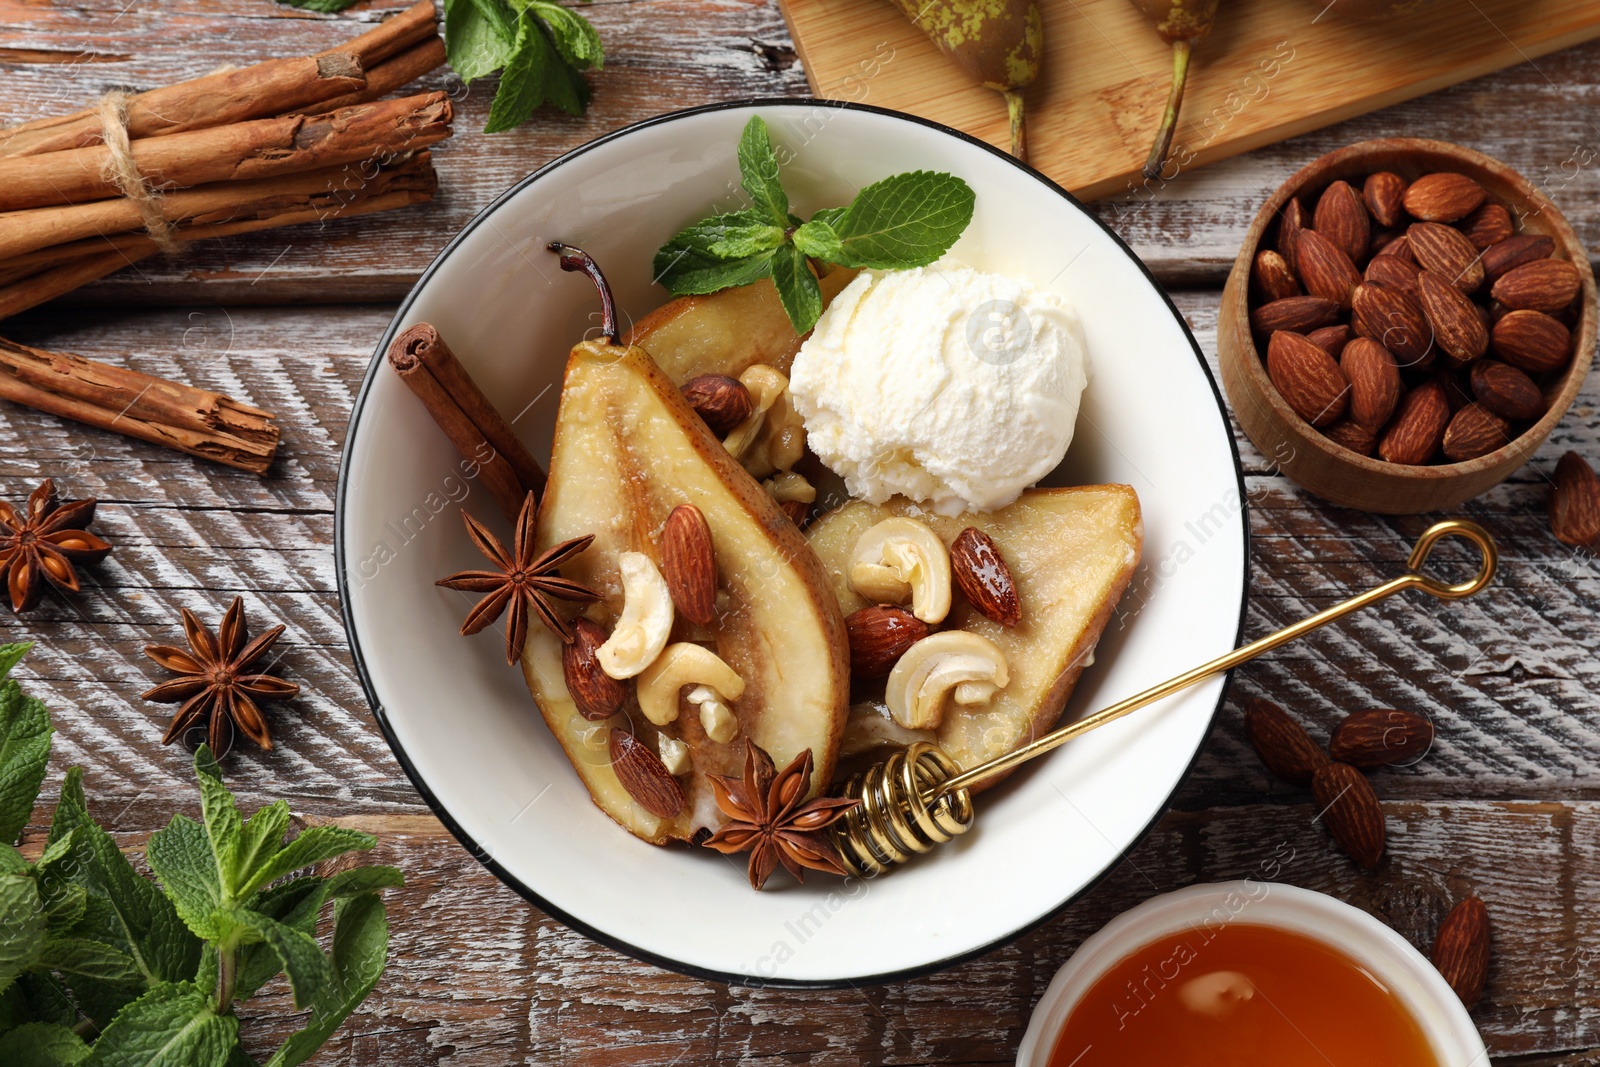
<point>465,729</point>
<point>1385,954</point>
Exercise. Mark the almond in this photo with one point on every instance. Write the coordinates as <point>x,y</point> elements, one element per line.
<point>1379,737</point>
<point>1514,252</point>
<point>1400,248</point>
<point>982,574</point>
<point>1461,949</point>
<point>1342,218</point>
<point>1575,502</point>
<point>1374,382</point>
<point>1292,221</point>
<point>1325,269</point>
<point>1442,197</point>
<point>1385,195</point>
<point>721,401</point>
<point>1414,434</point>
<point>597,694</point>
<point>1474,431</point>
<point>1347,433</point>
<point>644,776</point>
<point>1298,314</point>
<point>1350,811</point>
<point>689,564</point>
<point>1273,276</point>
<point>1457,326</point>
<point>1393,271</point>
<point>879,635</point>
<point>1543,285</point>
<point>1394,320</point>
<point>1446,252</point>
<point>1381,239</point>
<point>1283,744</point>
<point>1506,391</point>
<point>1331,339</point>
<point>1307,378</point>
<point>1488,225</point>
<point>1531,341</point>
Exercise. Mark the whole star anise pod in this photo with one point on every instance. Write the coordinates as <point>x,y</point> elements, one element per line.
<point>770,817</point>
<point>525,582</point>
<point>43,542</point>
<point>215,682</point>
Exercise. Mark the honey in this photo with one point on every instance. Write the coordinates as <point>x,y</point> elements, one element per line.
<point>1240,995</point>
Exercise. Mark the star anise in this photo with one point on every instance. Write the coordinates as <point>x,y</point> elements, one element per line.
<point>525,582</point>
<point>43,542</point>
<point>215,682</point>
<point>769,816</point>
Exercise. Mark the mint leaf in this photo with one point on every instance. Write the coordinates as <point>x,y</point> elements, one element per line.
<point>294,904</point>
<point>817,240</point>
<point>477,42</point>
<point>906,220</point>
<point>360,880</point>
<point>740,241</point>
<point>686,264</point>
<point>224,827</point>
<point>758,173</point>
<point>572,34</point>
<point>42,1045</point>
<point>312,845</point>
<point>261,839</point>
<point>21,924</point>
<point>88,959</point>
<point>307,968</point>
<point>170,1026</point>
<point>24,748</point>
<point>360,947</point>
<point>522,82</point>
<point>797,288</point>
<point>181,857</point>
<point>124,909</point>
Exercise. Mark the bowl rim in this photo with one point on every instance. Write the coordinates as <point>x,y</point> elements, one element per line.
<point>484,856</point>
<point>1128,932</point>
<point>1520,449</point>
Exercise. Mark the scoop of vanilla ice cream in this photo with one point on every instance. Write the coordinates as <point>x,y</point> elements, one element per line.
<point>951,386</point>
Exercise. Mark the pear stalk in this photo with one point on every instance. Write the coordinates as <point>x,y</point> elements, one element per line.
<point>1181,24</point>
<point>1181,51</point>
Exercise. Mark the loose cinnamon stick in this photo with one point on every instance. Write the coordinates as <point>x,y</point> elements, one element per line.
<point>261,148</point>
<point>196,421</point>
<point>64,268</point>
<point>27,231</point>
<point>390,75</point>
<point>394,34</point>
<point>269,88</point>
<point>425,363</point>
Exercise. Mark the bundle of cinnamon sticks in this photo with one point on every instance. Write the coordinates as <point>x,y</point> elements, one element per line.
<point>285,141</point>
<point>280,142</point>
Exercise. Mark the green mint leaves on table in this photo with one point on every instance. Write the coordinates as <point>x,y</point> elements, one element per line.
<point>102,967</point>
<point>906,220</point>
<point>540,49</point>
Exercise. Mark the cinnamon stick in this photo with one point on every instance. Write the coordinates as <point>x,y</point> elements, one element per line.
<point>390,75</point>
<point>261,148</point>
<point>269,88</point>
<point>431,370</point>
<point>28,231</point>
<point>394,34</point>
<point>64,268</point>
<point>197,421</point>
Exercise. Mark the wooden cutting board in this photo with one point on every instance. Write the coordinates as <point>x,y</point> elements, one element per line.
<point>1271,69</point>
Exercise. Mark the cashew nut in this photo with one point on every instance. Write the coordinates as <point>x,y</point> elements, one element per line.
<point>674,754</point>
<point>646,621</point>
<point>686,663</point>
<point>773,437</point>
<point>787,485</point>
<point>902,559</point>
<point>716,718</point>
<point>954,663</point>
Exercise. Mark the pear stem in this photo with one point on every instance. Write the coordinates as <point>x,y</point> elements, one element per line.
<point>1019,132</point>
<point>576,259</point>
<point>1181,50</point>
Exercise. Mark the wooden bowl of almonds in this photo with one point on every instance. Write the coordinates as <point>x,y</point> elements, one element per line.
<point>1406,323</point>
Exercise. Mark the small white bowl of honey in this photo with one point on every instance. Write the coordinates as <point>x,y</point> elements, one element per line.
<point>1247,973</point>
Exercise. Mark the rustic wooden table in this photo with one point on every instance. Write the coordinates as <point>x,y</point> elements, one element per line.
<point>1506,805</point>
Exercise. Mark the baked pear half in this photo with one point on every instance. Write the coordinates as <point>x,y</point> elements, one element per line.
<point>682,681</point>
<point>1071,553</point>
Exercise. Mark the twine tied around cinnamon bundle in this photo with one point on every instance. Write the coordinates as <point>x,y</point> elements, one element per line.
<point>124,172</point>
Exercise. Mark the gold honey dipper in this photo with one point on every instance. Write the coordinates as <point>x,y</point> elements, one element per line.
<point>919,797</point>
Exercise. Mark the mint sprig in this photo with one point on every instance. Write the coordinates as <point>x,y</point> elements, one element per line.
<point>540,49</point>
<point>102,967</point>
<point>905,220</point>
